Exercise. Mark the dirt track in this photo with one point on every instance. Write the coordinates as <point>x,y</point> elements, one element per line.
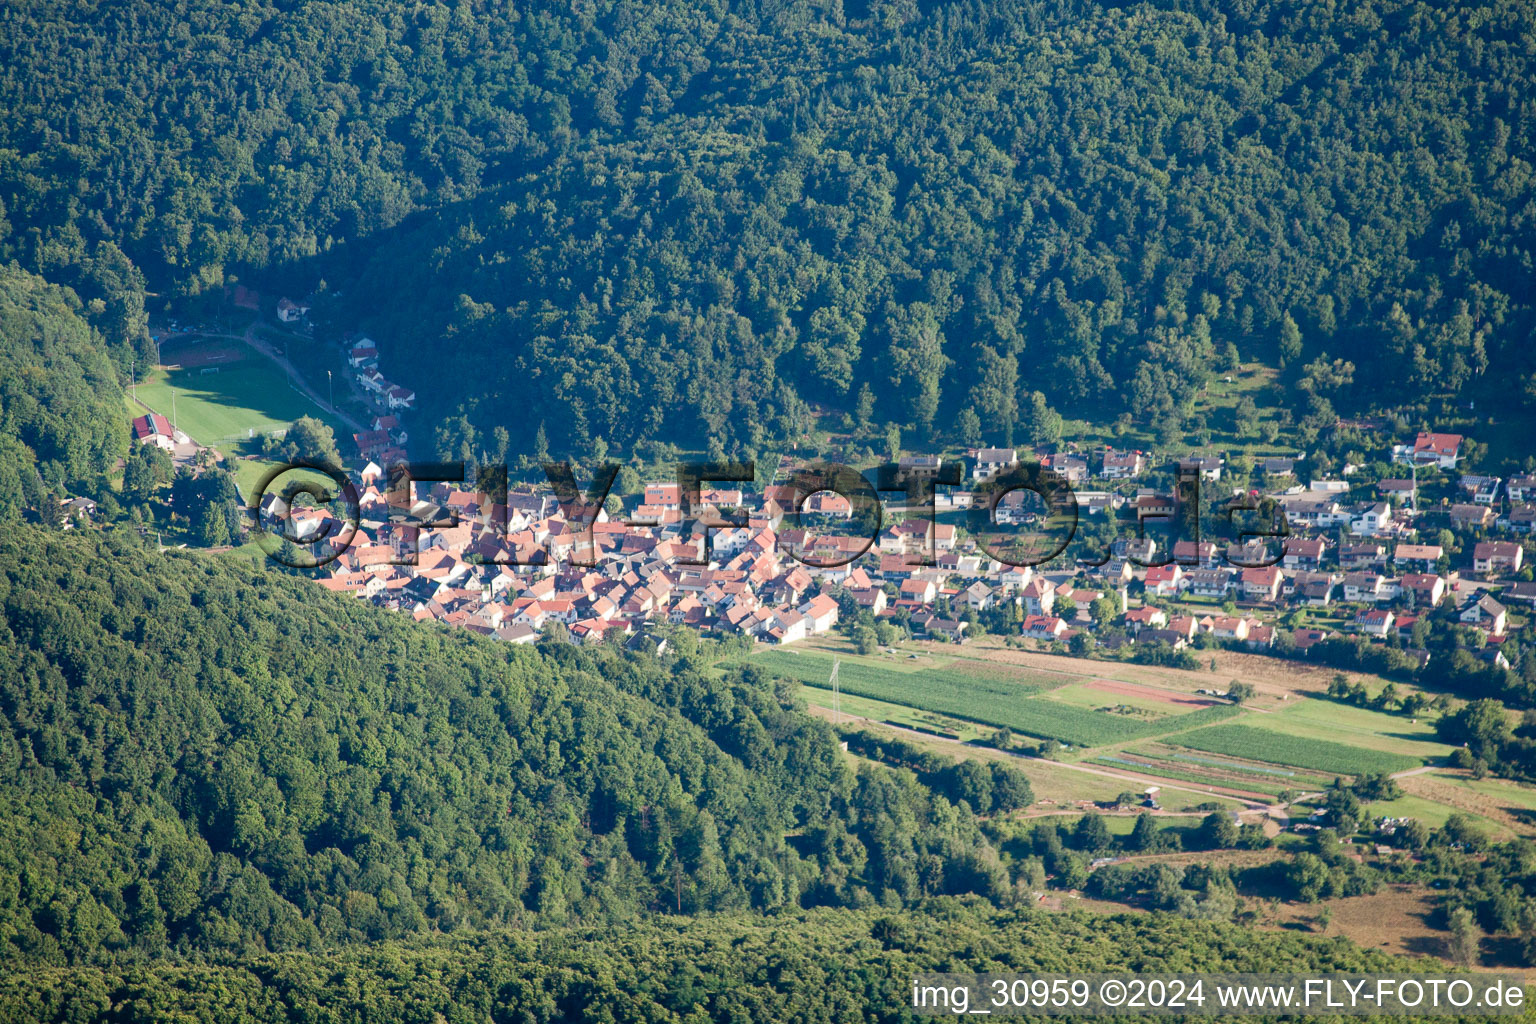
<point>198,354</point>
<point>1149,693</point>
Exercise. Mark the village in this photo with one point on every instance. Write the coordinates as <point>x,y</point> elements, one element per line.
<point>1362,558</point>
<point>1370,564</point>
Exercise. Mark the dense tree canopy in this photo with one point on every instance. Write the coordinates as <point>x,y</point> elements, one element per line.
<point>203,756</point>
<point>61,403</point>
<point>672,220</point>
<point>804,966</point>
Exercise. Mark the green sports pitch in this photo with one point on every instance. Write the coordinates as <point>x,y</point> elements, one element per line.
<point>246,398</point>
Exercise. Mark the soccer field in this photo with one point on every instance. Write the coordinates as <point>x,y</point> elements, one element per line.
<point>222,409</point>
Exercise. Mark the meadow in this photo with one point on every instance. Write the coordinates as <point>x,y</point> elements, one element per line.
<point>1163,770</point>
<point>854,706</point>
<point>1168,762</point>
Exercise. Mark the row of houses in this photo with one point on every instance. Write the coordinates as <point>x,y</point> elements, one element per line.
<point>363,357</point>
<point>987,463</point>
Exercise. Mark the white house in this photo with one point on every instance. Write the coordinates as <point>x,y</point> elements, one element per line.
<point>1370,519</point>
<point>1437,449</point>
<point>1044,627</point>
<point>1374,622</point>
<point>1121,465</point>
<point>289,311</point>
<point>154,429</point>
<point>820,613</point>
<point>1497,556</point>
<point>1486,613</point>
<point>992,461</point>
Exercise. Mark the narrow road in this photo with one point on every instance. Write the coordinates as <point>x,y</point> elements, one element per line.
<point>281,360</point>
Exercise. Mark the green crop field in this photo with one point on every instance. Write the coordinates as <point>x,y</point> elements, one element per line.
<point>998,681</point>
<point>1321,719</point>
<point>1083,727</point>
<point>1005,699</point>
<point>1250,741</point>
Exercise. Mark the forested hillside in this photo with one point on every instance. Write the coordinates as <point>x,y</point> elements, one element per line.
<point>228,795</point>
<point>1110,211</point>
<point>812,967</point>
<point>200,756</point>
<point>684,221</point>
<point>61,406</point>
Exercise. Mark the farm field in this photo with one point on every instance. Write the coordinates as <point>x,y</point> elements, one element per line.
<point>1329,720</point>
<point>1061,785</point>
<point>1163,769</point>
<point>1047,718</point>
<point>812,665</point>
<point>896,714</point>
<point>1273,677</point>
<point>1065,787</point>
<point>1180,765</point>
<point>1159,730</point>
<point>1156,703</point>
<point>1057,784</point>
<point>995,698</point>
<point>1292,776</point>
<point>1276,747</point>
<point>1503,791</point>
<point>1508,807</point>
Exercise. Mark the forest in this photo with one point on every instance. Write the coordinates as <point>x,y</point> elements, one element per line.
<point>61,401</point>
<point>634,226</point>
<point>812,966</point>
<point>701,224</point>
<point>201,756</point>
<point>227,793</point>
